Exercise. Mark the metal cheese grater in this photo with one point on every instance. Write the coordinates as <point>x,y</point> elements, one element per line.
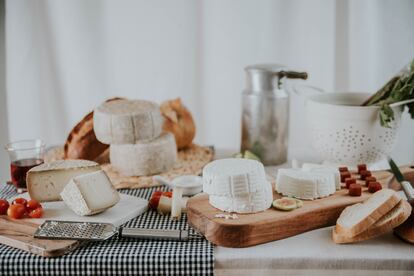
<point>95,231</point>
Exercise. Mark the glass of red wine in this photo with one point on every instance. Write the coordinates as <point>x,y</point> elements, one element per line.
<point>24,155</point>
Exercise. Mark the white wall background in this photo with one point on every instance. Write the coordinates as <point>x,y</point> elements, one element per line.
<point>65,57</point>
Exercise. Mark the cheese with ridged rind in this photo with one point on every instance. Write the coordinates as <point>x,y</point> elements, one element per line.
<point>324,168</point>
<point>144,158</point>
<point>127,121</point>
<point>305,185</point>
<point>237,185</point>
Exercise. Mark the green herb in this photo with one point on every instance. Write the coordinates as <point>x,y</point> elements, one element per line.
<point>399,88</point>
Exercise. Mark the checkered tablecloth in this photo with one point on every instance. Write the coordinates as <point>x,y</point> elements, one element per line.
<point>118,256</point>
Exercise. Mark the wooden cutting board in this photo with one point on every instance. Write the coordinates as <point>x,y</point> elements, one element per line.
<point>272,224</point>
<point>19,233</point>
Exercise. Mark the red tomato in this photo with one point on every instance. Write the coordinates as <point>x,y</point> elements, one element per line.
<point>36,213</point>
<point>167,194</point>
<point>16,211</point>
<point>20,200</point>
<point>32,205</point>
<point>155,199</point>
<point>4,205</point>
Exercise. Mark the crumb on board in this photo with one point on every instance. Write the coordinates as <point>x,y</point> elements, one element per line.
<point>226,216</point>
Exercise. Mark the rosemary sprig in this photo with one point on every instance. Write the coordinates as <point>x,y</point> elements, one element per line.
<point>399,88</point>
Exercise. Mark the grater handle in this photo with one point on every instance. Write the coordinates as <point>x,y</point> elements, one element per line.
<point>154,234</point>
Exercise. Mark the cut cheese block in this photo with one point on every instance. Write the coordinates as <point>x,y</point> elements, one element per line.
<point>45,182</point>
<point>90,194</point>
<point>127,121</point>
<point>234,177</point>
<point>325,169</point>
<point>305,184</point>
<point>252,203</point>
<point>385,224</point>
<point>357,218</point>
<point>144,158</point>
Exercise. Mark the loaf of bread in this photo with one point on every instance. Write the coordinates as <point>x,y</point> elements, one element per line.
<point>178,121</point>
<point>82,143</point>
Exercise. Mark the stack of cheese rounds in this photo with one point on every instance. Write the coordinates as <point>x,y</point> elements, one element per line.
<point>237,185</point>
<point>133,128</point>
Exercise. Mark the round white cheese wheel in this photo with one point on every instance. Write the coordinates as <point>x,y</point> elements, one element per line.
<point>253,203</point>
<point>233,177</point>
<point>144,158</point>
<point>237,185</point>
<point>127,121</point>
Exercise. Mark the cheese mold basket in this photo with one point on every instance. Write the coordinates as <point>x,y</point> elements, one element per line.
<point>344,132</point>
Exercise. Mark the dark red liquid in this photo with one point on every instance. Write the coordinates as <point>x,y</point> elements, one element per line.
<point>19,168</point>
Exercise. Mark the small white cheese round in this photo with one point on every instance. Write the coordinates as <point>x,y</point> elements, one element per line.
<point>127,121</point>
<point>237,185</point>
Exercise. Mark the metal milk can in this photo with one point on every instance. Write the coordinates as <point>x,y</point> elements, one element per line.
<point>265,112</point>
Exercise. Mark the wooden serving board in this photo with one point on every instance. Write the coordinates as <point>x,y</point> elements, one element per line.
<point>272,224</point>
<point>19,233</point>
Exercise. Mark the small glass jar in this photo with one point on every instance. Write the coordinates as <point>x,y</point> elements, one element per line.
<point>24,155</point>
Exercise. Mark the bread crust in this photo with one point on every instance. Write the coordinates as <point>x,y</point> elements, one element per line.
<point>178,121</point>
<point>404,210</point>
<point>373,217</point>
<point>82,142</point>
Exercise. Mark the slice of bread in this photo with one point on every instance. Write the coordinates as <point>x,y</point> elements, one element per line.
<point>357,218</point>
<point>389,221</point>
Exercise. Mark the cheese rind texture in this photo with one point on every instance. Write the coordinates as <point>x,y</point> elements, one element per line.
<point>252,203</point>
<point>237,185</point>
<point>145,158</point>
<point>45,182</point>
<point>305,185</point>
<point>233,177</point>
<point>323,168</point>
<point>127,121</point>
<point>90,194</point>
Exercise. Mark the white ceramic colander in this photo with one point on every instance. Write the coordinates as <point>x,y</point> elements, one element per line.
<point>343,132</point>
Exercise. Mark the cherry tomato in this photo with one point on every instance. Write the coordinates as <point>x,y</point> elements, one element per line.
<point>4,205</point>
<point>16,211</point>
<point>167,194</point>
<point>36,213</point>
<point>155,199</point>
<point>20,200</point>
<point>32,205</point>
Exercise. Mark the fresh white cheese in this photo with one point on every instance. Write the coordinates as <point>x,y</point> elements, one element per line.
<point>145,158</point>
<point>324,168</point>
<point>46,181</point>
<point>233,177</point>
<point>237,185</point>
<point>305,185</point>
<point>127,121</point>
<point>90,193</point>
<point>252,203</point>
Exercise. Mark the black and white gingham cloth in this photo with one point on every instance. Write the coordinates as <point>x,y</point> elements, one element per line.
<point>118,256</point>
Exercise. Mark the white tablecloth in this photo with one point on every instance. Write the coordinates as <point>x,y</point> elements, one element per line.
<point>314,253</point>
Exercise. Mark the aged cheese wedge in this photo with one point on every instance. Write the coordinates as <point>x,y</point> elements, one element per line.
<point>310,167</point>
<point>127,121</point>
<point>145,158</point>
<point>305,185</point>
<point>233,177</point>
<point>89,194</point>
<point>45,182</point>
